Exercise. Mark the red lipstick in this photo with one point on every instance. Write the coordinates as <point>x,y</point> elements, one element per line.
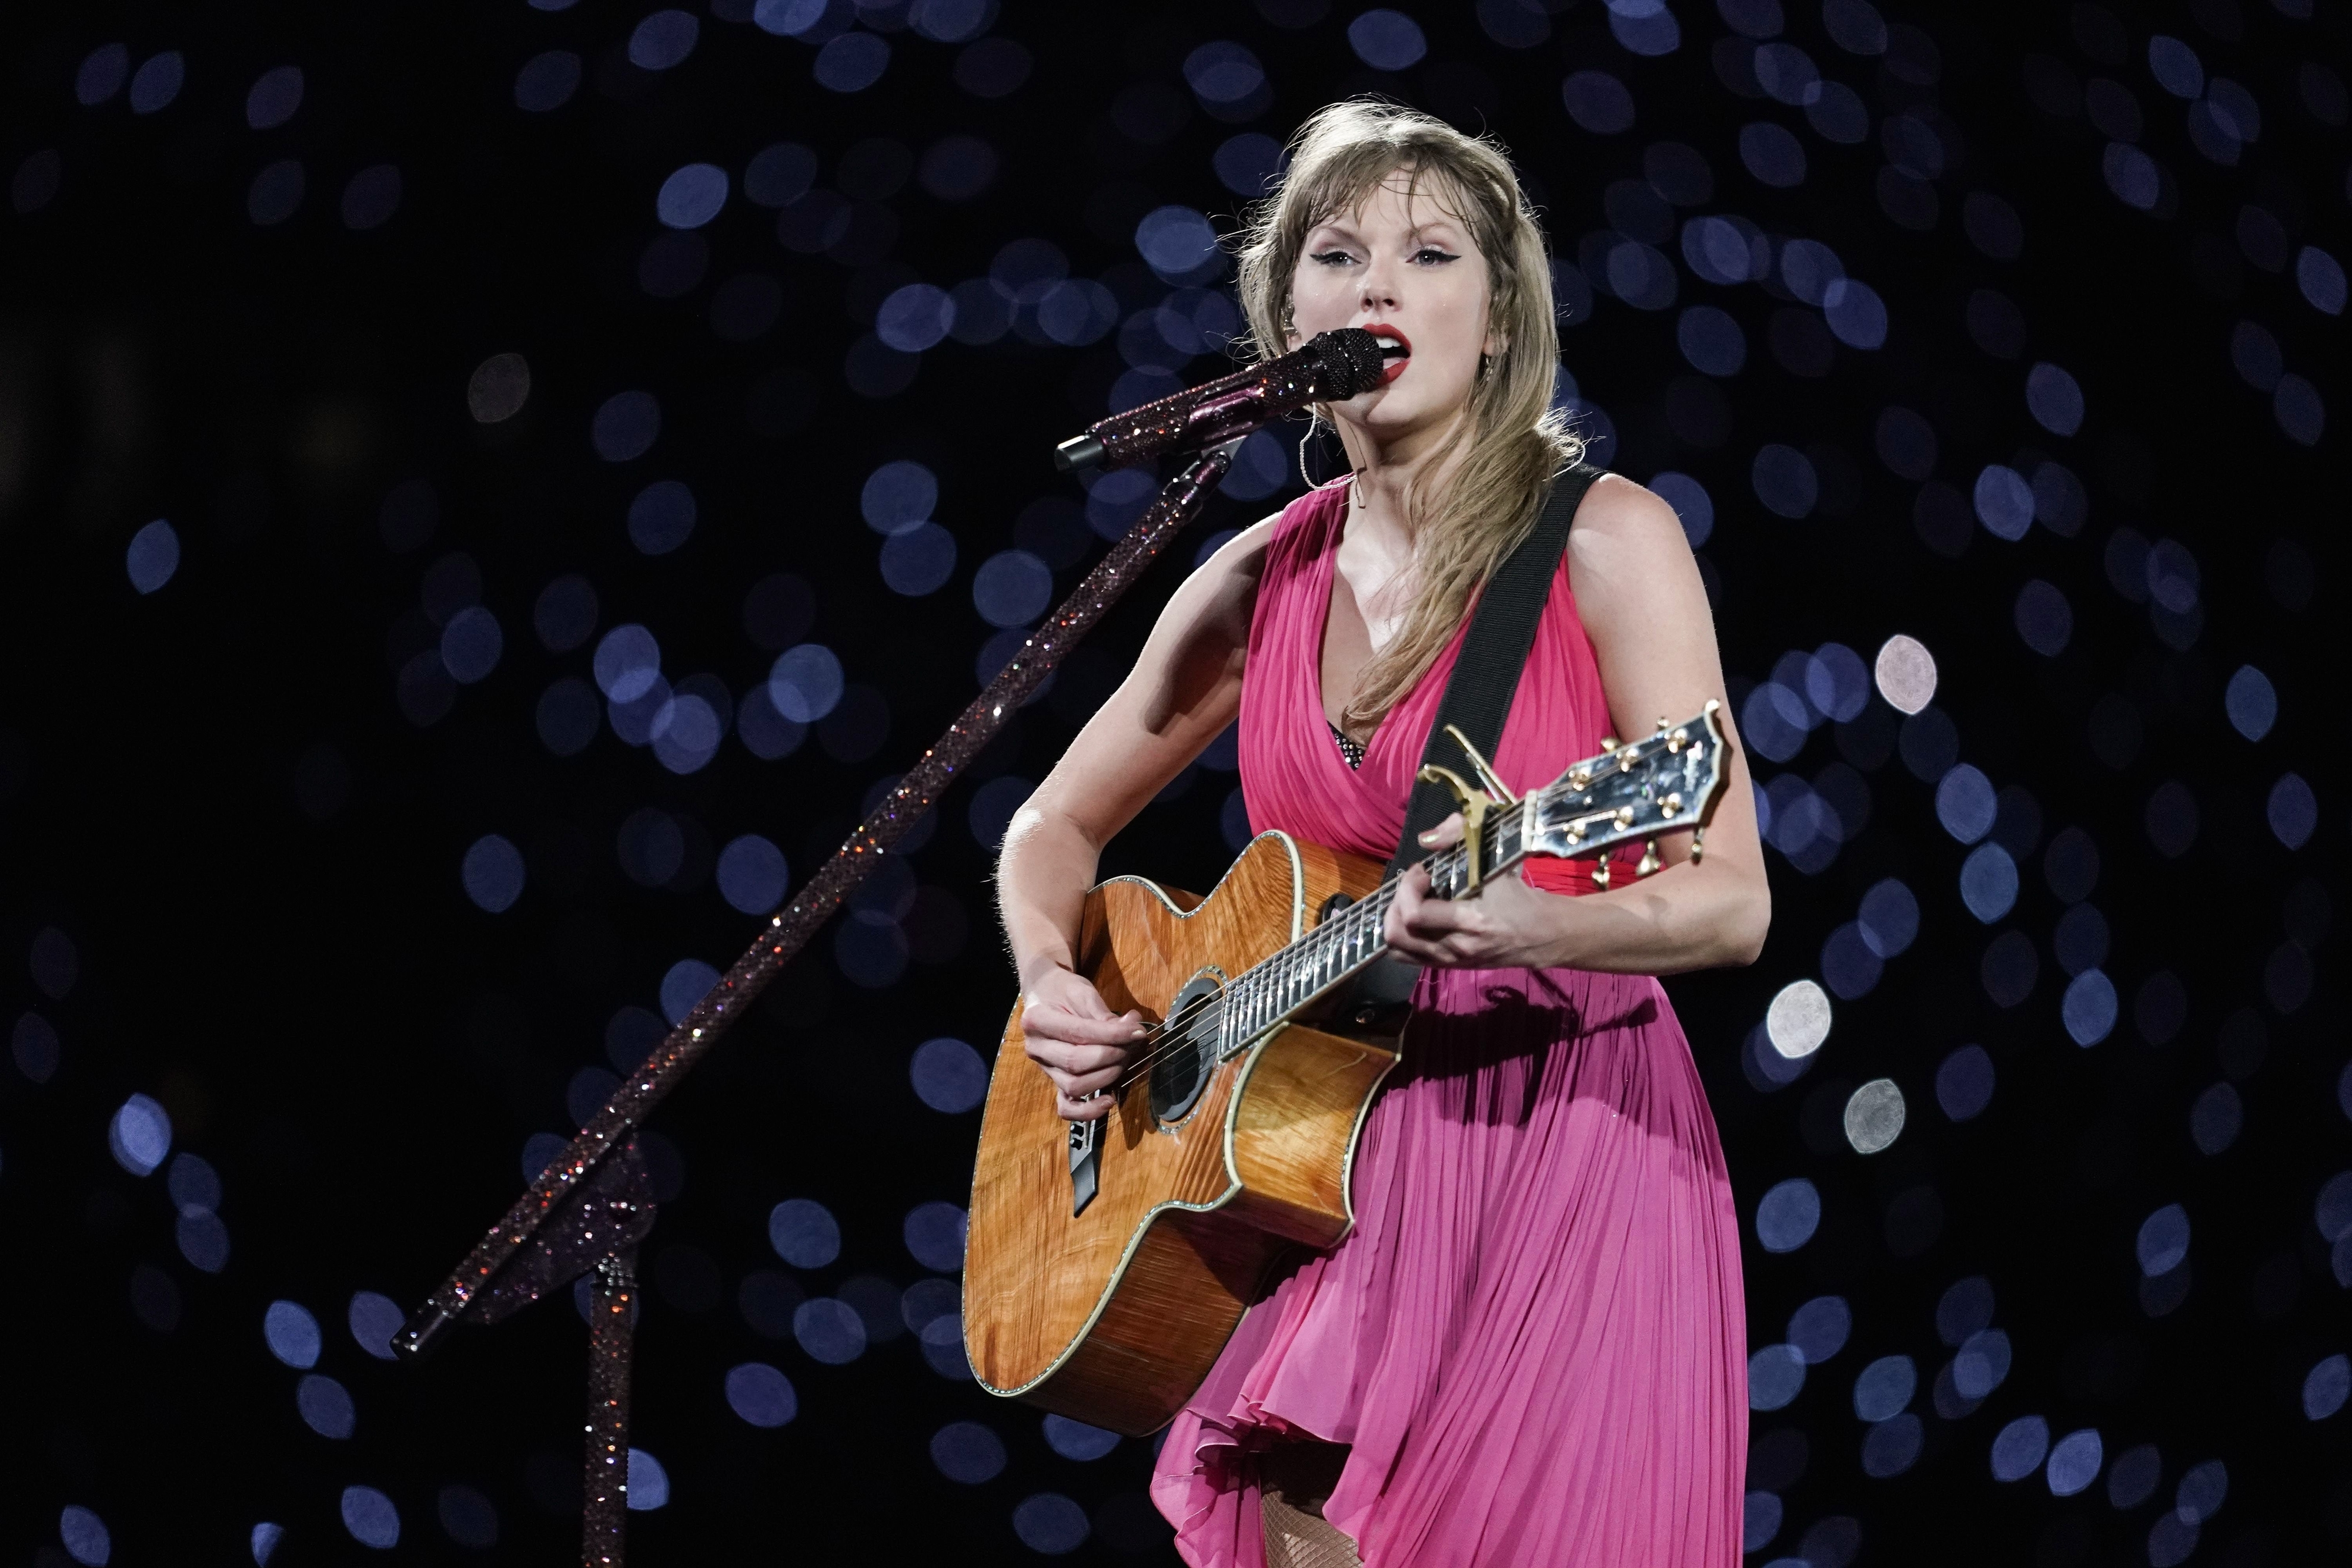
<point>1396,349</point>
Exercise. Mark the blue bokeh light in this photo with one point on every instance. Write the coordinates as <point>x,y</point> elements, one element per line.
<point>1775,1376</point>
<point>648,1482</point>
<point>81,1531</point>
<point>1077,1441</point>
<point>2019,1447</point>
<point>2251,703</point>
<point>805,683</point>
<point>918,560</point>
<point>275,98</point>
<point>1884,1389</point>
<point>1989,883</point>
<point>373,1318</point>
<point>1982,1362</point>
<point>804,1233</point>
<point>1788,1216</point>
<point>292,1334</point>
<point>949,1075</point>
<point>761,1395</point>
<point>140,1134</point>
<point>687,982</point>
<point>153,556</point>
<point>1819,1329</point>
<point>157,82</point>
<point>934,1234</point>
<point>492,872</point>
<point>829,1331</point>
<point>1965,803</point>
<point>664,40</point>
<point>325,1406</point>
<point>2162,1244</point>
<point>1012,587</point>
<point>2075,1461</point>
<point>1049,1523</point>
<point>968,1453</point>
<point>753,874</point>
<point>625,425</point>
<point>1694,508</point>
<point>1964,1082</point>
<point>627,662</point>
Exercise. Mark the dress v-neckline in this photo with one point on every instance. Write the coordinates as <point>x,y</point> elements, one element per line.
<point>1330,568</point>
<point>1328,586</point>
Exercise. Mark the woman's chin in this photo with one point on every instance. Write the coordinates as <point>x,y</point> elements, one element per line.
<point>1396,410</point>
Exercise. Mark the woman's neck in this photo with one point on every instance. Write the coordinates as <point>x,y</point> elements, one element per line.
<point>1387,470</point>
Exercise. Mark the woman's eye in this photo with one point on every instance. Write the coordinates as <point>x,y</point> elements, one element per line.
<point>1430,256</point>
<point>1331,257</point>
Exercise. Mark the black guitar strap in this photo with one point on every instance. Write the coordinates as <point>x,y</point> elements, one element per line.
<point>1494,652</point>
<point>1477,700</point>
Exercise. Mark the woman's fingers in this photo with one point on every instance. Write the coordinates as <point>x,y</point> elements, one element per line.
<point>1083,1096</point>
<point>1052,1020</point>
<point>1447,832</point>
<point>1066,1056</point>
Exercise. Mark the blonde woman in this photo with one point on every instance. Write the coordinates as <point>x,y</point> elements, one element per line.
<point>1531,1349</point>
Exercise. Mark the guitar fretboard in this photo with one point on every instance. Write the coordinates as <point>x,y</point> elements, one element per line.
<point>1265,994</point>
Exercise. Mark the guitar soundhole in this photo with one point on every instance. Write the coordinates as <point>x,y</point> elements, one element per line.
<point>1188,1050</point>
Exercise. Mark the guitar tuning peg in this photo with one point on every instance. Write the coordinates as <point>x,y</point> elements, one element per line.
<point>1664,724</point>
<point>1600,873</point>
<point>1608,743</point>
<point>1650,862</point>
<point>1698,845</point>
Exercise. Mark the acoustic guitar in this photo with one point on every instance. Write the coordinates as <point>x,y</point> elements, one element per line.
<point>1109,1261</point>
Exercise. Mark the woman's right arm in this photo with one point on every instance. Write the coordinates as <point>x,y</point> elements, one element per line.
<point>1184,690</point>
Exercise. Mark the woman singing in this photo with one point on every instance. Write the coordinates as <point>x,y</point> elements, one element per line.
<point>1531,1348</point>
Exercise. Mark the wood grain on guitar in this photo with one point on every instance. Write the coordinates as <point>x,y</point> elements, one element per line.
<point>1233,1136</point>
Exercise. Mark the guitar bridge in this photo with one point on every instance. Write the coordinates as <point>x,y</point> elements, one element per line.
<point>1086,1164</point>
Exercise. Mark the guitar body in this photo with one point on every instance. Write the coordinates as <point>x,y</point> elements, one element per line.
<point>1115,1314</point>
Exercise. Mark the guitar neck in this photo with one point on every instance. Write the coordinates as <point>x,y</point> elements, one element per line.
<point>1659,784</point>
<point>1351,939</point>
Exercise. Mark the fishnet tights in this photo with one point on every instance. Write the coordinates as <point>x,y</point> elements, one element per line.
<point>1296,1477</point>
<point>1297,1539</point>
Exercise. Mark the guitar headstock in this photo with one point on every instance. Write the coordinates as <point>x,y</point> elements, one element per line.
<point>1664,781</point>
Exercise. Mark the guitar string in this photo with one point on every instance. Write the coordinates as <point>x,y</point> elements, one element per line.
<point>1181,1032</point>
<point>1277,972</point>
<point>1168,1038</point>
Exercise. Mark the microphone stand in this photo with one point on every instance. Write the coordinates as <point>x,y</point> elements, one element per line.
<point>590,1209</point>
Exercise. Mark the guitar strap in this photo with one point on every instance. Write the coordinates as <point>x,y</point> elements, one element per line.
<point>1494,652</point>
<point>1477,700</point>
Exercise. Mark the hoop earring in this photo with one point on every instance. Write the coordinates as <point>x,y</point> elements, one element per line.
<point>1306,468</point>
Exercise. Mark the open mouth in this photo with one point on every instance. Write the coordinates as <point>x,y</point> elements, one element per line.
<point>1396,349</point>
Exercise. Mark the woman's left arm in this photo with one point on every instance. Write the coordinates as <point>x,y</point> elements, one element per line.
<point>1638,592</point>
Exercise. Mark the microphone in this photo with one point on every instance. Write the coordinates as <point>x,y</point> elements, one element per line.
<point>1331,368</point>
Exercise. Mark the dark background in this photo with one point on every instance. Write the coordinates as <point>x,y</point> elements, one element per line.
<point>233,810</point>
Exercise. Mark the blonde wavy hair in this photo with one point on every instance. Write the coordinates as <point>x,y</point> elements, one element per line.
<point>1514,443</point>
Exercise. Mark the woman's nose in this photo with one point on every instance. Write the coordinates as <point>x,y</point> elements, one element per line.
<point>1378,288</point>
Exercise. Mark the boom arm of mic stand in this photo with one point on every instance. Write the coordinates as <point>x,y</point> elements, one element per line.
<point>788,931</point>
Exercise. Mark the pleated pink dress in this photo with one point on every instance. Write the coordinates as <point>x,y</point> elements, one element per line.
<point>1534,1339</point>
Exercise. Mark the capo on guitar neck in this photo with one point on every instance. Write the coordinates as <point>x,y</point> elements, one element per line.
<point>1472,803</point>
<point>1496,791</point>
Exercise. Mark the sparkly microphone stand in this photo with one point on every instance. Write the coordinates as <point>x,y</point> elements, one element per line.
<point>589,1209</point>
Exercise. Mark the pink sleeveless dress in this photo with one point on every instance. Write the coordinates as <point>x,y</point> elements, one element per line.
<point>1534,1339</point>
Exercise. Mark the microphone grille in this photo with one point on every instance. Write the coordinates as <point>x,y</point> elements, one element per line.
<point>1351,360</point>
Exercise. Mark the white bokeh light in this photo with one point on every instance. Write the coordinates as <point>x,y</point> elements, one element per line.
<point>1799,1020</point>
<point>1906,673</point>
